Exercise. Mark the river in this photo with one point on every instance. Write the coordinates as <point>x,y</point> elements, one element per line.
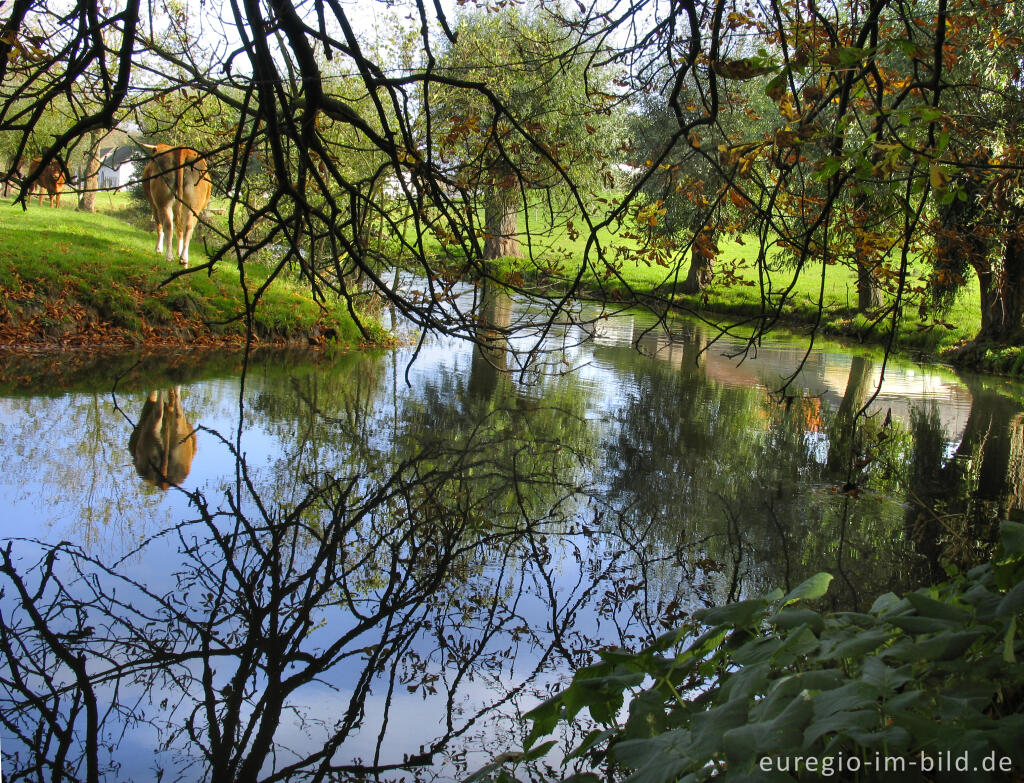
<point>371,568</point>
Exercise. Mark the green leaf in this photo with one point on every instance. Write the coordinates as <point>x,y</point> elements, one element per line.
<point>739,614</point>
<point>603,696</point>
<point>1011,535</point>
<point>985,602</point>
<point>706,728</point>
<point>757,650</point>
<point>917,625</point>
<point>800,643</point>
<point>829,167</point>
<point>923,729</point>
<point>902,701</point>
<point>793,618</point>
<point>883,677</point>
<point>941,647</point>
<point>894,740</point>
<point>537,752</point>
<point>861,644</point>
<point>658,758</point>
<point>544,717</point>
<point>747,743</point>
<point>786,688</point>
<point>1012,602</point>
<point>853,696</point>
<point>809,589</point>
<point>940,610</point>
<point>887,602</point>
<point>647,715</point>
<point>1008,640</point>
<point>592,740</point>
<point>841,722</point>
<point>746,682</point>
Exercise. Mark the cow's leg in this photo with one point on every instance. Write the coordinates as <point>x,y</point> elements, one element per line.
<point>167,219</point>
<point>158,218</point>
<point>190,225</point>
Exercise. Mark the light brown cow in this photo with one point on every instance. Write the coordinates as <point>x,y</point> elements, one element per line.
<point>50,179</point>
<point>178,185</point>
<point>163,443</point>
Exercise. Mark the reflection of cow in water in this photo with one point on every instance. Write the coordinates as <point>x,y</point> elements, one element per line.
<point>163,443</point>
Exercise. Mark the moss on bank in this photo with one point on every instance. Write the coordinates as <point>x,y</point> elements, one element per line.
<point>69,279</point>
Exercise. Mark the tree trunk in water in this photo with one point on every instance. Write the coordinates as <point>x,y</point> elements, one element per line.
<point>501,211</point>
<point>858,385</point>
<point>490,355</point>
<point>702,263</point>
<point>989,458</point>
<point>87,198</point>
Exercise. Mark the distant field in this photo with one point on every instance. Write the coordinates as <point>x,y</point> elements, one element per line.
<point>738,293</point>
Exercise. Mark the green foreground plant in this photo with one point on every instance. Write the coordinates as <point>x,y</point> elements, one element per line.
<point>770,689</point>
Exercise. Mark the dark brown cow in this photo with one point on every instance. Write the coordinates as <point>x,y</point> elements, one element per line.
<point>17,169</point>
<point>51,180</point>
<point>163,443</point>
<point>178,185</point>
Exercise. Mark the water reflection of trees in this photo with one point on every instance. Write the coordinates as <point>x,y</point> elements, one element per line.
<point>463,539</point>
<point>960,495</point>
<point>358,584</point>
<point>438,557</point>
<point>746,488</point>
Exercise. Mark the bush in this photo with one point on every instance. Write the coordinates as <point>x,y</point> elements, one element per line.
<point>747,691</point>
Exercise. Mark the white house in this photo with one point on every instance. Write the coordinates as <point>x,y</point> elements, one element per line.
<point>117,167</point>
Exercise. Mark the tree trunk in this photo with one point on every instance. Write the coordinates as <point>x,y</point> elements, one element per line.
<point>1002,295</point>
<point>1013,286</point>
<point>702,263</point>
<point>991,312</point>
<point>501,211</point>
<point>87,197</point>
<point>869,290</point>
<point>869,285</point>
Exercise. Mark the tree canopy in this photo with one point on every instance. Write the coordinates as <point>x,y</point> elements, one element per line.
<point>879,134</point>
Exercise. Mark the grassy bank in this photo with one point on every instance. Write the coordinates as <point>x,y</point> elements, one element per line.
<point>737,288</point>
<point>93,280</point>
<point>824,297</point>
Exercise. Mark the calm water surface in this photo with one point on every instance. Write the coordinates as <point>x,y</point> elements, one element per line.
<point>372,569</point>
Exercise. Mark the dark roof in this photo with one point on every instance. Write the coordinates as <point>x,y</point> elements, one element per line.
<point>122,155</point>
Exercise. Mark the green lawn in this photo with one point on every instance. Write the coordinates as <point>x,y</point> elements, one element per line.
<point>737,290</point>
<point>109,263</point>
<point>59,265</point>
